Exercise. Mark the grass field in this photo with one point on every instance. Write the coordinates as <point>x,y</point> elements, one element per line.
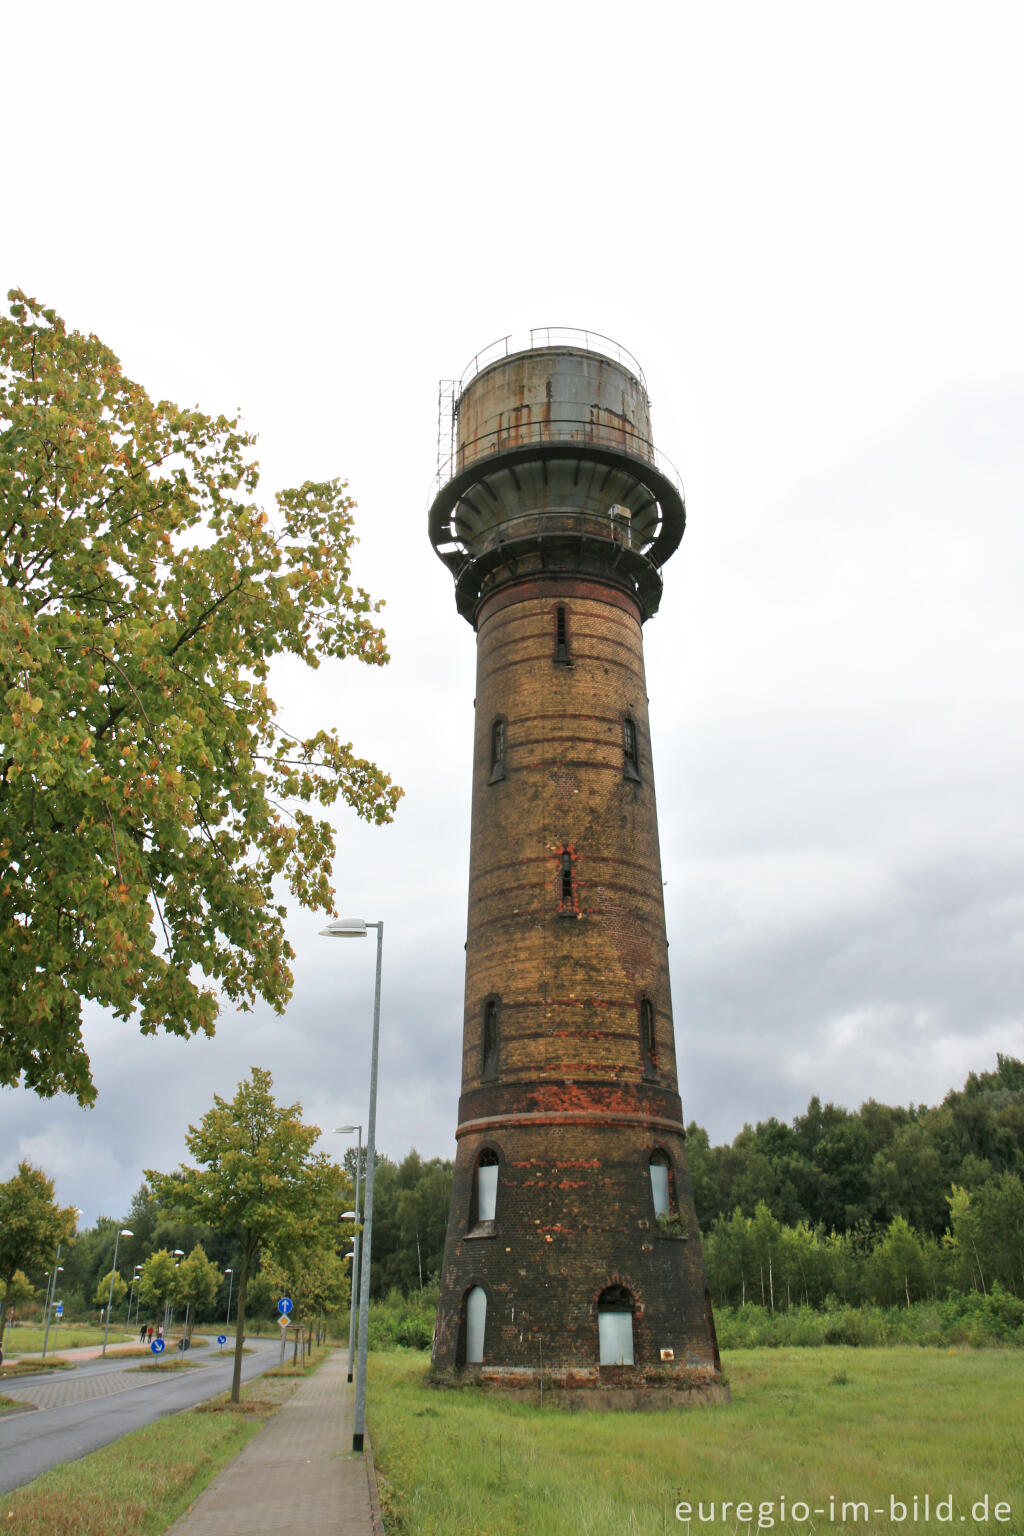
<point>820,1428</point>
<point>25,1341</point>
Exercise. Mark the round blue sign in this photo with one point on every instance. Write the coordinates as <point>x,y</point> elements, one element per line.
<point>158,1346</point>
<point>222,1338</point>
<point>285,1305</point>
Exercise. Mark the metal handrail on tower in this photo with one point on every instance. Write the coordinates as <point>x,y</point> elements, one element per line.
<point>551,336</point>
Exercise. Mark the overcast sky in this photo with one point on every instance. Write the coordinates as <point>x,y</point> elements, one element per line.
<point>805,221</point>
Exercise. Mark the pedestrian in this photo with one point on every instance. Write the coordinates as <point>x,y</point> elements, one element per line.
<point>142,1334</point>
<point>159,1330</point>
<point>151,1333</point>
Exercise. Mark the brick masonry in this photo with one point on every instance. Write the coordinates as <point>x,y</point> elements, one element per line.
<point>572,1091</point>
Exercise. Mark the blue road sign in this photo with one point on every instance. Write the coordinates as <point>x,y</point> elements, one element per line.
<point>285,1305</point>
<point>60,1309</point>
<point>158,1346</point>
<point>222,1338</point>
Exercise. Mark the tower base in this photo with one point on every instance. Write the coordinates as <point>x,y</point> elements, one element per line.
<point>621,1389</point>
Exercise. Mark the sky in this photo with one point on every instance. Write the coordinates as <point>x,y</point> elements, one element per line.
<point>805,222</point>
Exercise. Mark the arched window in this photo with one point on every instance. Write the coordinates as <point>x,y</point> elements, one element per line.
<point>630,749</point>
<point>661,1184</point>
<point>648,1035</point>
<point>615,1326</point>
<point>486,1185</point>
<point>476,1324</point>
<point>489,1039</point>
<point>562,636</point>
<point>499,746</point>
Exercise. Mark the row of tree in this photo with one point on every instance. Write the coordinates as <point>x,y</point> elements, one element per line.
<point>763,1260</point>
<point>844,1169</point>
<point>880,1204</point>
<point>256,1186</point>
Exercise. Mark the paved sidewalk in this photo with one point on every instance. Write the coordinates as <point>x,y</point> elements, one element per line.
<point>298,1476</point>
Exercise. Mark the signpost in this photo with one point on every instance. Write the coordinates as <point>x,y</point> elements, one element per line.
<point>284,1306</point>
<point>158,1346</point>
<point>222,1339</point>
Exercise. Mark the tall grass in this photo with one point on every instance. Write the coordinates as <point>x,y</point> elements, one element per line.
<point>844,1424</point>
<point>970,1319</point>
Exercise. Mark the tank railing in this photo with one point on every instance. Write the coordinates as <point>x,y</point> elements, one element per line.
<point>522,434</point>
<point>552,336</point>
<point>610,525</point>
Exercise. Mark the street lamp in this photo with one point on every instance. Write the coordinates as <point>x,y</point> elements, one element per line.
<point>355,928</point>
<point>227,1320</point>
<point>51,1292</point>
<point>346,1130</point>
<point>124,1232</point>
<point>179,1254</point>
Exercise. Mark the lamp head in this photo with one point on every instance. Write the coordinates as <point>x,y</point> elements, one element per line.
<point>345,928</point>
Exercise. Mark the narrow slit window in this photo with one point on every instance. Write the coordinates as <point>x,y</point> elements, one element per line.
<point>561,634</point>
<point>568,902</point>
<point>631,756</point>
<point>660,1192</point>
<point>490,1037</point>
<point>648,1035</point>
<point>499,748</point>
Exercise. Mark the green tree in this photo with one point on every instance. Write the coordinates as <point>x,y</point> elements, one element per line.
<point>898,1266</point>
<point>158,1281</point>
<point>32,1224</point>
<point>410,1217</point>
<point>102,1291</point>
<point>198,1282</point>
<point>315,1279</point>
<point>258,1181</point>
<point>145,779</point>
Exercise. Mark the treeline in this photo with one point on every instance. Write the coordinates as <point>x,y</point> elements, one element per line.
<point>879,1206</point>
<point>844,1170</point>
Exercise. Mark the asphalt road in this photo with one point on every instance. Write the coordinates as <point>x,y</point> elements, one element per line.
<point>111,1401</point>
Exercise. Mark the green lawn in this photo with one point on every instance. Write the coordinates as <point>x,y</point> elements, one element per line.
<point>25,1341</point>
<point>814,1426</point>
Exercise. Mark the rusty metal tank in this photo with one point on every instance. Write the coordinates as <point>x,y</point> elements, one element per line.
<point>551,445</point>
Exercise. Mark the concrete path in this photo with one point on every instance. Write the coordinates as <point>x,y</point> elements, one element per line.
<point>298,1475</point>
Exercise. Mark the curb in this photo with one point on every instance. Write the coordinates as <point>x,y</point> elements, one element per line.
<point>371,1480</point>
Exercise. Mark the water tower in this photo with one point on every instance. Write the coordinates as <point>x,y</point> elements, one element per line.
<point>573,1252</point>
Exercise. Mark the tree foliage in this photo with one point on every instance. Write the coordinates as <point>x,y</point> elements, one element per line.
<point>259,1181</point>
<point>846,1169</point>
<point>103,1289</point>
<point>31,1226</point>
<point>145,778</point>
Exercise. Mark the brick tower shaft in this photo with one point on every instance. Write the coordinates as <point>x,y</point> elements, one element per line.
<point>573,1249</point>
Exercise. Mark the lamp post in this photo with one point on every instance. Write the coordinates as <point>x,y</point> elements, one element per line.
<point>179,1254</point>
<point>137,1290</point>
<point>51,1292</point>
<point>346,1130</point>
<point>124,1232</point>
<point>231,1282</point>
<point>355,928</point>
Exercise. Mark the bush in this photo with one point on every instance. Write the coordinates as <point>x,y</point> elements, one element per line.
<point>974,1319</point>
<point>403,1321</point>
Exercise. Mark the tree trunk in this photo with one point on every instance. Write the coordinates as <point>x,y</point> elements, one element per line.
<point>7,1301</point>
<point>243,1285</point>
